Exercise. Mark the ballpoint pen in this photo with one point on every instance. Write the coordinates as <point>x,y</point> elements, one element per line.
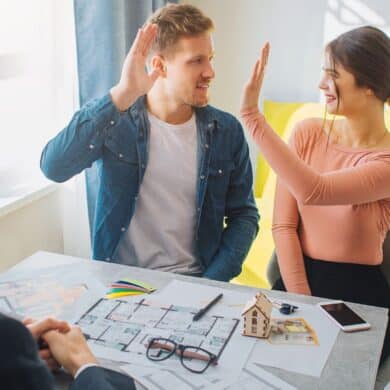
<point>202,311</point>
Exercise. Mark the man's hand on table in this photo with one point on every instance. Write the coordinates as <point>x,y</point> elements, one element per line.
<point>70,349</point>
<point>38,329</point>
<point>61,344</point>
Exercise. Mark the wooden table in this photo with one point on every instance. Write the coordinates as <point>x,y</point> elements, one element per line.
<point>352,364</point>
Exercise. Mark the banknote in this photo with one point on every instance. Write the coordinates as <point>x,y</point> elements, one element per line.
<point>293,331</point>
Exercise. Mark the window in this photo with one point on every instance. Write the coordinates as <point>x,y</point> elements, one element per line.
<point>254,329</point>
<point>254,313</point>
<point>254,321</point>
<point>37,85</point>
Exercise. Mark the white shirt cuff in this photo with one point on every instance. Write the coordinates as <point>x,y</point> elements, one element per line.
<point>82,368</point>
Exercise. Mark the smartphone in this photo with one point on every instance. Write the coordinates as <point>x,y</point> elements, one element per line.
<point>344,316</point>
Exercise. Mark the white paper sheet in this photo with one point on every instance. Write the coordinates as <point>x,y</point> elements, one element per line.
<point>156,379</point>
<point>253,377</point>
<point>307,360</point>
<point>198,295</point>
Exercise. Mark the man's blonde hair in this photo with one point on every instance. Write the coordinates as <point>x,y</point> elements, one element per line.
<point>175,21</point>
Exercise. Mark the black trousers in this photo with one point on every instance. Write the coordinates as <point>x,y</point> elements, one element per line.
<point>356,283</point>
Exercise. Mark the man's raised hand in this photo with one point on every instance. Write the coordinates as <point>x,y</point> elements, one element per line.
<point>135,81</point>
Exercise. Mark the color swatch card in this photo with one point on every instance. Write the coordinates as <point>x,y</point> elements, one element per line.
<point>126,287</point>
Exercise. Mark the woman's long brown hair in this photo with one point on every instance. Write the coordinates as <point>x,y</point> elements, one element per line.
<point>364,52</point>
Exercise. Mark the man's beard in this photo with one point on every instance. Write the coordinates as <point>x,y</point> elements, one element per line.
<point>200,104</point>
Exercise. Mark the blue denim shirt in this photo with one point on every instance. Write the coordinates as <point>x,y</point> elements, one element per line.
<point>227,218</point>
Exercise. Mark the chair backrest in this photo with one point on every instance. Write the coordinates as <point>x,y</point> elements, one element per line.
<point>278,116</point>
<point>273,271</point>
<point>386,258</point>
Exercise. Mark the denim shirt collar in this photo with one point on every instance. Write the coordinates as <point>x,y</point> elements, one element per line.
<point>205,116</point>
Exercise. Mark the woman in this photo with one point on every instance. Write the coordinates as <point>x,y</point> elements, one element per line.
<point>332,203</point>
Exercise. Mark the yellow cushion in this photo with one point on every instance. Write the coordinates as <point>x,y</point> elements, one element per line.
<point>282,117</point>
<point>254,268</point>
<point>277,115</point>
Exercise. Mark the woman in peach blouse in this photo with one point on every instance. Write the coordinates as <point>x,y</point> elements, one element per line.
<point>332,202</point>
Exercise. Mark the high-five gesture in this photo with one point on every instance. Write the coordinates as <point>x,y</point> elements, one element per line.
<point>135,81</point>
<point>250,96</point>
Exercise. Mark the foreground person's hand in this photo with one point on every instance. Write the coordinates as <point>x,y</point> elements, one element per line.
<point>38,329</point>
<point>70,349</point>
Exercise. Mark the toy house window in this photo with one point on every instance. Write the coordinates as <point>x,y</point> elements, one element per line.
<point>254,329</point>
<point>254,321</point>
<point>254,313</point>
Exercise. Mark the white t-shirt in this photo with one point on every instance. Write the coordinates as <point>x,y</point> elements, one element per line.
<point>162,230</point>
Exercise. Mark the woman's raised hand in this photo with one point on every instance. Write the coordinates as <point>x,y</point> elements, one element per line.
<point>250,96</point>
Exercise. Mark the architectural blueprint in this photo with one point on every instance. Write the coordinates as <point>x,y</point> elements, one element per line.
<point>120,329</point>
<point>45,292</point>
<point>37,298</point>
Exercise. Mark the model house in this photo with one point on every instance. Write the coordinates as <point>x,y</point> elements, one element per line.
<point>257,317</point>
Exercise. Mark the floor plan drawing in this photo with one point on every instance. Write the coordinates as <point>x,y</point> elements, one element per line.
<point>37,298</point>
<point>48,292</point>
<point>127,326</point>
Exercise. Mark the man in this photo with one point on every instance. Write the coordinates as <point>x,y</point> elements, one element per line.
<point>22,368</point>
<point>175,190</point>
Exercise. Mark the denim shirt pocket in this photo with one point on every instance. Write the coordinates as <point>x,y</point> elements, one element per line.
<point>121,161</point>
<point>219,178</point>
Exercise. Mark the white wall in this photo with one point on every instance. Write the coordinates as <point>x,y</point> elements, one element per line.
<point>75,224</point>
<point>297,31</point>
<point>56,222</point>
<point>35,226</point>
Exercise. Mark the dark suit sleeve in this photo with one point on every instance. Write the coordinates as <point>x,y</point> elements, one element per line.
<point>98,378</point>
<point>20,365</point>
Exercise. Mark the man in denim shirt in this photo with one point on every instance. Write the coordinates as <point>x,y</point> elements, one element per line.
<point>175,191</point>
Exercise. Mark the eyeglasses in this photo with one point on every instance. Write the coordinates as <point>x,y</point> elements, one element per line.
<point>194,359</point>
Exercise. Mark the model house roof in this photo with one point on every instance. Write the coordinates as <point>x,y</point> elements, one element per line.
<point>261,302</point>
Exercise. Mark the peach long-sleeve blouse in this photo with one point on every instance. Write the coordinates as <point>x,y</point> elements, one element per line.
<point>332,203</point>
